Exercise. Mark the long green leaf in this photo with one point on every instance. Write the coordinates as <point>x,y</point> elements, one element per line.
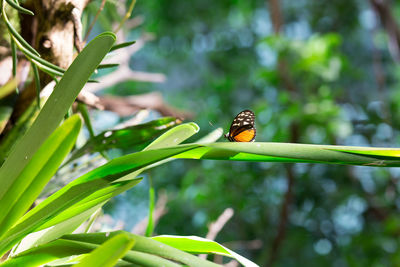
<point>63,248</point>
<point>80,189</point>
<point>147,260</point>
<point>145,245</point>
<point>48,252</point>
<point>14,61</point>
<point>107,66</point>
<point>150,225</point>
<point>173,137</point>
<point>198,245</point>
<point>86,118</point>
<point>37,83</point>
<point>300,153</point>
<point>15,33</point>
<point>28,50</point>
<point>274,152</point>
<point>19,8</point>
<point>108,253</point>
<point>19,129</point>
<point>92,189</point>
<point>49,234</point>
<point>109,173</point>
<point>55,108</point>
<point>182,132</point>
<point>34,177</point>
<point>44,65</point>
<point>41,63</point>
<point>122,45</point>
<point>102,195</point>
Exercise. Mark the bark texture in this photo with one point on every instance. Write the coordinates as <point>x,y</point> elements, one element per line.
<point>53,33</point>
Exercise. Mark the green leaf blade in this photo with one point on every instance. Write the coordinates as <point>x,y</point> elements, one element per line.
<point>19,8</point>
<point>109,252</point>
<point>122,45</point>
<point>198,245</point>
<point>296,153</point>
<point>81,188</point>
<point>145,245</point>
<point>38,172</point>
<point>55,108</point>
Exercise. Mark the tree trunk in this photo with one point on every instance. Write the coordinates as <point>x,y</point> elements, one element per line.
<point>53,32</point>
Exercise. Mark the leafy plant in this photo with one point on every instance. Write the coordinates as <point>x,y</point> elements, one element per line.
<point>70,206</point>
<point>42,234</point>
<point>38,154</point>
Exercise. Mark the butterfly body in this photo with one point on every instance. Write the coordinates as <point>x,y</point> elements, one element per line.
<point>242,128</point>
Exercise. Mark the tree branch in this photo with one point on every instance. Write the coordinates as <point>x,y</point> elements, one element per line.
<point>125,106</point>
<point>215,227</point>
<point>124,72</point>
<point>383,11</point>
<point>53,31</point>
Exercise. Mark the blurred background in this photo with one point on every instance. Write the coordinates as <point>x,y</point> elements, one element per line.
<point>319,72</point>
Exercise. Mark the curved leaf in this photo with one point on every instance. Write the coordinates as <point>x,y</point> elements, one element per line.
<point>109,252</point>
<point>19,8</point>
<point>19,39</point>
<point>144,245</point>
<point>199,245</point>
<point>78,244</point>
<point>82,188</point>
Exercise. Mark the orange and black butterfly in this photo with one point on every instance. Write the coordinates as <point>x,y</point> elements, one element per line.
<point>242,128</point>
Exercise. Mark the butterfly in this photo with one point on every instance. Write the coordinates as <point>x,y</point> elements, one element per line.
<point>242,128</point>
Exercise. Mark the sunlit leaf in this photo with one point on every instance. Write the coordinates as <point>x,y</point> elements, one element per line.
<point>108,253</point>
<point>145,252</point>
<point>198,245</point>
<point>36,174</point>
<point>144,245</point>
<point>287,152</point>
<point>55,108</point>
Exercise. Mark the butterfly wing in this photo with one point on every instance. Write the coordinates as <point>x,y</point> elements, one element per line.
<point>246,135</point>
<point>242,128</point>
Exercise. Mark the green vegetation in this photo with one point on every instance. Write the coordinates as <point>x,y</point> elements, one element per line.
<point>318,187</point>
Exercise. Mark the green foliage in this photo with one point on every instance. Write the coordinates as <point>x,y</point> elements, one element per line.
<point>337,56</point>
<point>54,109</point>
<point>70,206</point>
<point>36,174</point>
<point>134,137</point>
<point>109,252</point>
<point>222,57</point>
<point>145,251</point>
<point>200,245</point>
